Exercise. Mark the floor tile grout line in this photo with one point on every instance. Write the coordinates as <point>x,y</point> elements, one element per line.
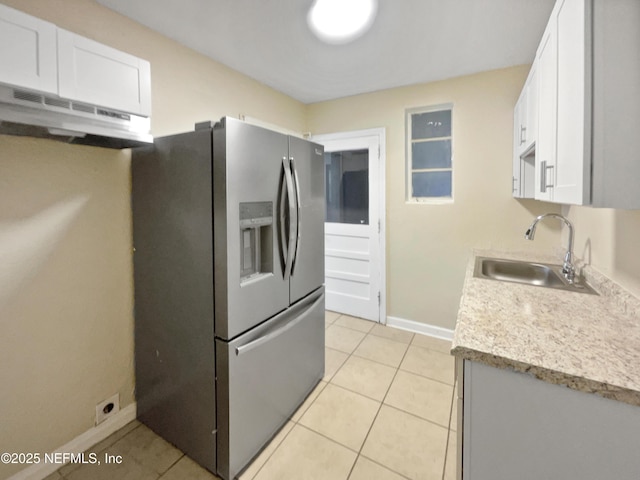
<point>356,329</point>
<point>172,465</point>
<point>348,390</point>
<point>398,367</point>
<point>355,348</point>
<point>339,367</point>
<point>328,438</point>
<point>435,379</point>
<point>446,447</point>
<point>417,416</point>
<point>78,466</point>
<point>381,402</point>
<point>366,437</point>
<point>383,466</point>
<point>302,414</point>
<point>375,361</point>
<point>452,385</point>
<point>274,450</point>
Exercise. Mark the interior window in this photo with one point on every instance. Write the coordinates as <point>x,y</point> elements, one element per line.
<point>429,154</point>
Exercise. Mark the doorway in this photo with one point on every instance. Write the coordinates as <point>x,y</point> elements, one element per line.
<point>354,223</point>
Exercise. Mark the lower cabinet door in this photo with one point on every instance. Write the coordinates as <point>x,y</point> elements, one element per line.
<point>262,378</point>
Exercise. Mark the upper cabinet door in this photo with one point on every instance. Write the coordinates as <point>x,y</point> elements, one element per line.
<point>547,74</point>
<point>532,106</point>
<point>27,51</point>
<point>95,73</point>
<point>517,142</point>
<point>573,143</point>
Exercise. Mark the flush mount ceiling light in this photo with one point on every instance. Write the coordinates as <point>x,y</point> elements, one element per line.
<point>341,21</point>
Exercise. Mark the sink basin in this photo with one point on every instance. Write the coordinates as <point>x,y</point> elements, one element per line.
<point>529,273</point>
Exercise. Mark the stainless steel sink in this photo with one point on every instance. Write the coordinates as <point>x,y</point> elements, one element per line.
<point>529,273</point>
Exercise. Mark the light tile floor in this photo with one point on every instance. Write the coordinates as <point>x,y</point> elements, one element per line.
<point>385,410</point>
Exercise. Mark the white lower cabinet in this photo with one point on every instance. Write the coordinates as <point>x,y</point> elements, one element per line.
<point>589,104</point>
<point>515,426</point>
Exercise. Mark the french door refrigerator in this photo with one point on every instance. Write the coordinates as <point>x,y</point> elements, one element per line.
<point>228,226</point>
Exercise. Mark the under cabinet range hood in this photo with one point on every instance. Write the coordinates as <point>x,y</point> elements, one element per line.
<point>60,85</point>
<point>34,114</point>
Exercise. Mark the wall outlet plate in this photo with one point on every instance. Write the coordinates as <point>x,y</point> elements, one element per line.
<point>107,408</point>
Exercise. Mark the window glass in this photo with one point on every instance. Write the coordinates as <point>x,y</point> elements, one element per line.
<point>431,184</point>
<point>429,161</point>
<point>347,186</point>
<point>436,154</point>
<point>431,124</point>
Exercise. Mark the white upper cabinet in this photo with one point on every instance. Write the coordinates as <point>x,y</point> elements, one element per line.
<point>27,51</point>
<point>95,73</point>
<point>525,132</point>
<point>546,59</point>
<point>518,114</point>
<point>525,122</point>
<point>616,104</point>
<point>573,150</point>
<point>589,105</point>
<point>37,55</point>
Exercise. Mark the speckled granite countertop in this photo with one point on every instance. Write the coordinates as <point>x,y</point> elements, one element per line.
<point>586,342</point>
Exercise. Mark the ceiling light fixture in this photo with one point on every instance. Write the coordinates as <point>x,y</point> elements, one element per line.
<point>341,21</point>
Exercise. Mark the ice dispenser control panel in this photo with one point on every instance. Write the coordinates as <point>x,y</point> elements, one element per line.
<point>256,240</point>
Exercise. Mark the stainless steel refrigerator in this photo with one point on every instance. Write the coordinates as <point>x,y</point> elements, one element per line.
<point>228,226</point>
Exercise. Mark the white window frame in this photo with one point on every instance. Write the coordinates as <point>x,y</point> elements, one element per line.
<point>409,161</point>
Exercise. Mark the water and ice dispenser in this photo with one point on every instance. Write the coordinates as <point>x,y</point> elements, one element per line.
<point>256,240</point>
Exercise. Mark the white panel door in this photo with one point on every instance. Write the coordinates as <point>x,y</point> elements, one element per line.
<point>95,73</point>
<point>354,270</point>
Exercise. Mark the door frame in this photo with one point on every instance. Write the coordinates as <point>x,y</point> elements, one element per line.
<point>379,132</point>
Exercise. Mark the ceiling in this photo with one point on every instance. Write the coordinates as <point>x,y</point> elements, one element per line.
<point>410,41</point>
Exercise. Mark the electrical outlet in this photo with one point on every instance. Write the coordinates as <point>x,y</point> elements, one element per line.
<point>107,408</point>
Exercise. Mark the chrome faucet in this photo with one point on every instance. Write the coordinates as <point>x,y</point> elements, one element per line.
<point>568,269</point>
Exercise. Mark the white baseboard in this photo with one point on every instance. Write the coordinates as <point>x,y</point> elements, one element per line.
<point>422,328</point>
<point>79,444</point>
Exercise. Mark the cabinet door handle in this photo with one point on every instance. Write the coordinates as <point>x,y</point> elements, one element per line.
<point>543,176</point>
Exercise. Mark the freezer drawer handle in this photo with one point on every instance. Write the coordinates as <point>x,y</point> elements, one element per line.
<point>296,182</point>
<point>276,333</point>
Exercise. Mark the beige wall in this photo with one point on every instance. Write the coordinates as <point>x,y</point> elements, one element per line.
<point>428,245</point>
<point>66,290</point>
<point>608,239</point>
<point>66,306</point>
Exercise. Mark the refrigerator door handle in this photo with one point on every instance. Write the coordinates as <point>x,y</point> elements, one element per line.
<point>291,238</point>
<point>282,223</point>
<point>296,182</point>
<point>312,301</point>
